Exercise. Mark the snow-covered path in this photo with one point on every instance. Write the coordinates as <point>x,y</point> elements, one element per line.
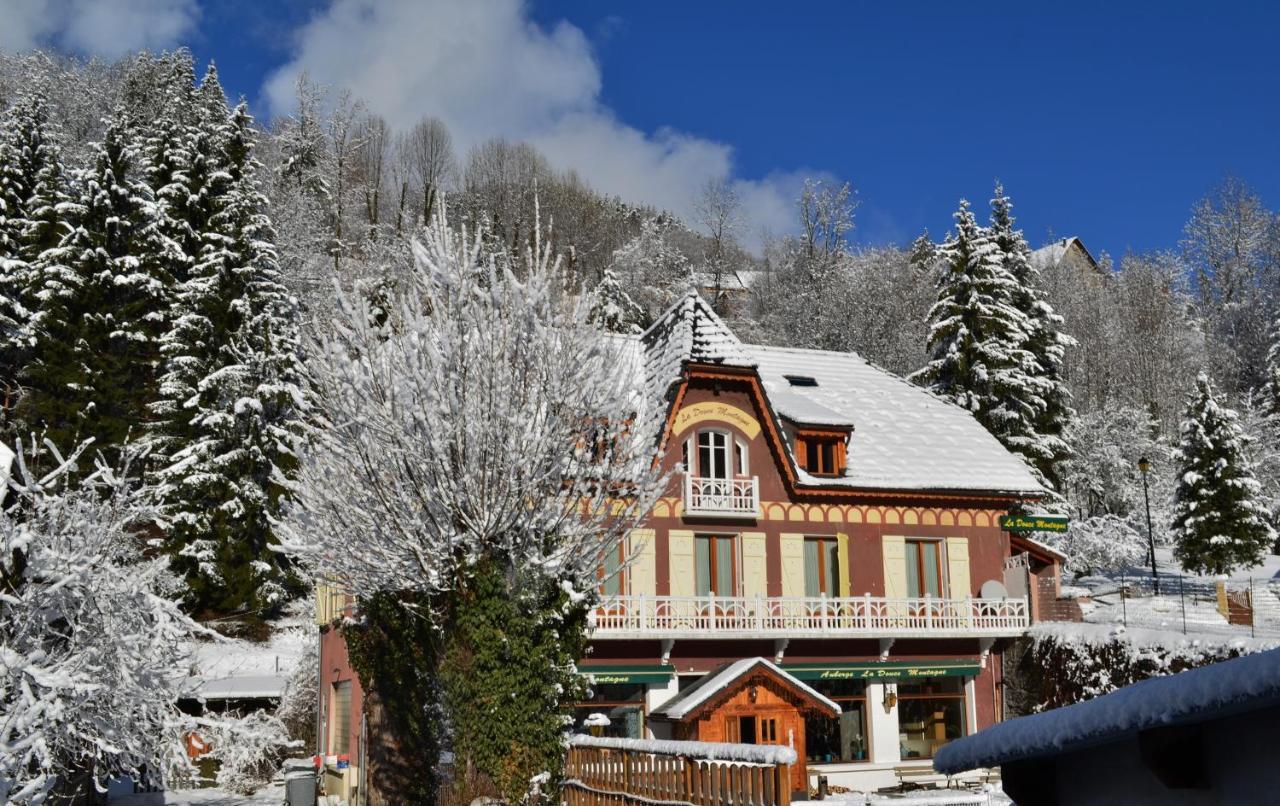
<point>270,796</point>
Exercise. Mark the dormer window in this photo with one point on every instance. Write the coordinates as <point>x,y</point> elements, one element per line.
<point>821,454</point>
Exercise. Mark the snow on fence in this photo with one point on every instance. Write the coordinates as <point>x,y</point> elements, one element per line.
<point>639,772</point>
<point>1189,605</point>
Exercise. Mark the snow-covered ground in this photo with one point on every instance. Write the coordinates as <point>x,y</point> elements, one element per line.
<point>273,795</point>
<point>920,797</point>
<point>1187,604</point>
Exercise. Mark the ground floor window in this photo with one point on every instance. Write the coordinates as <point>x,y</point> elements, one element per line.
<point>931,712</point>
<point>340,719</point>
<point>614,709</point>
<point>843,738</point>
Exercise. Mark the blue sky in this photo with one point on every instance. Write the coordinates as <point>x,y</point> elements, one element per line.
<point>1103,121</point>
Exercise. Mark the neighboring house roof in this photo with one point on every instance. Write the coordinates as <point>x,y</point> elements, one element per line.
<point>1051,254</point>
<point>904,437</point>
<point>690,701</point>
<point>1198,695</point>
<point>249,687</point>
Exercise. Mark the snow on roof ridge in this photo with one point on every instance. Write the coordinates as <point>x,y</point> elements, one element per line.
<point>689,331</point>
<point>1214,691</point>
<point>718,680</point>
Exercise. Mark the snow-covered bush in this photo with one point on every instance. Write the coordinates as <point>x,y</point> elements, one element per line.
<point>298,706</point>
<point>248,748</point>
<point>1105,543</point>
<point>91,654</point>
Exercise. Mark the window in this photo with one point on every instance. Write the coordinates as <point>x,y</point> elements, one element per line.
<point>924,568</point>
<point>801,380</point>
<point>751,729</point>
<point>713,454</point>
<point>821,566</point>
<point>716,559</point>
<point>740,466</point>
<point>613,578</point>
<point>843,738</point>
<point>821,455</point>
<point>615,710</point>
<point>931,713</point>
<point>340,720</point>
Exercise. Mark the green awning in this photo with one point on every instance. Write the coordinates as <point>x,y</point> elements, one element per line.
<point>884,670</point>
<point>605,675</point>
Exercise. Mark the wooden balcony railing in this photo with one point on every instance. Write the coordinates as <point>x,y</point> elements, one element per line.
<point>735,498</point>
<point>640,616</point>
<point>635,772</point>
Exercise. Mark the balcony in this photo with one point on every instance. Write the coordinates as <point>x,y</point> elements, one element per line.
<point>721,498</point>
<point>761,617</point>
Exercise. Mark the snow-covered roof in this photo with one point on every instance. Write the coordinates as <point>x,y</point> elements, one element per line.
<point>802,409</point>
<point>715,682</point>
<point>1197,695</point>
<point>249,687</point>
<point>1051,254</point>
<point>904,437</point>
<point>706,751</point>
<point>689,331</point>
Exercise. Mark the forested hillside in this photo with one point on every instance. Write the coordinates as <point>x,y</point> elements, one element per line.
<point>167,259</point>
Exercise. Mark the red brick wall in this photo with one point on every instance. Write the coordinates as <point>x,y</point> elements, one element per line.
<point>335,667</point>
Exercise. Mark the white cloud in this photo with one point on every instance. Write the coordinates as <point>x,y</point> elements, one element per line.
<point>106,28</point>
<point>486,69</point>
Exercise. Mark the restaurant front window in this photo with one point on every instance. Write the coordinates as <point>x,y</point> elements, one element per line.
<point>842,738</point>
<point>931,712</point>
<point>613,709</point>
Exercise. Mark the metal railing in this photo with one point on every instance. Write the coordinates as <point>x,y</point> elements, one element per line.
<point>761,616</point>
<point>732,497</point>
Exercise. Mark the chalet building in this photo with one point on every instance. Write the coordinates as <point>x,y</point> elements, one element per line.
<point>1071,253</point>
<point>831,537</point>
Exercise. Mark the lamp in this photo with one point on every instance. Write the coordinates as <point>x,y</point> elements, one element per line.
<point>890,698</point>
<point>752,693</point>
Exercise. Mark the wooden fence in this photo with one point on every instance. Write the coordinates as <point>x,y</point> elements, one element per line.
<point>603,772</point>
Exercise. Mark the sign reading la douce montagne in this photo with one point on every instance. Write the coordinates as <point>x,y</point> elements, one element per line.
<point>1034,523</point>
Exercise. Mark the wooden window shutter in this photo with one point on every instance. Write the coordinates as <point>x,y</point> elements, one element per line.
<point>683,568</point>
<point>644,562</point>
<point>894,549</point>
<point>959,584</point>
<point>792,564</point>
<point>755,570</point>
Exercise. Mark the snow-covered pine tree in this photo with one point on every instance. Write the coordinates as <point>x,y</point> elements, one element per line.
<point>233,399</point>
<point>976,337</point>
<point>614,310</point>
<point>1045,345</point>
<point>31,187</point>
<point>1271,389</point>
<point>103,296</point>
<point>1219,521</point>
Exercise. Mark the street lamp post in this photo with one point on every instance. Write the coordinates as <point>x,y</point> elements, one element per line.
<point>1144,466</point>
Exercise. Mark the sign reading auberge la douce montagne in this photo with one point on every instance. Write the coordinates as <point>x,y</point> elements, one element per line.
<point>1034,523</point>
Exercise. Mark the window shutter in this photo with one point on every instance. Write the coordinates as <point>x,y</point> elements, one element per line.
<point>683,569</point>
<point>895,566</point>
<point>643,571</point>
<point>842,555</point>
<point>755,573</point>
<point>959,584</point>
<point>792,564</point>
<point>802,452</point>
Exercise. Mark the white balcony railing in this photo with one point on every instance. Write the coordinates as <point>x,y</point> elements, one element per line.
<point>711,617</point>
<point>735,498</point>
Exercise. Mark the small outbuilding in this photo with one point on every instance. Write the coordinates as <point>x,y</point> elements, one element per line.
<point>749,701</point>
<point>1203,736</point>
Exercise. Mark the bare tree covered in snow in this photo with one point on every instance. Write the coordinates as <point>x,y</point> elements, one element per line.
<point>484,414</point>
<point>92,651</point>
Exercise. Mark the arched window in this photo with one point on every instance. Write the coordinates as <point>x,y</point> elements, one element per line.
<point>713,454</point>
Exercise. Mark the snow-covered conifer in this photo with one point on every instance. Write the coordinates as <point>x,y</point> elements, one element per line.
<point>1219,521</point>
<point>614,309</point>
<point>1045,345</point>
<point>976,337</point>
<point>232,398</point>
<point>651,268</point>
<point>103,295</point>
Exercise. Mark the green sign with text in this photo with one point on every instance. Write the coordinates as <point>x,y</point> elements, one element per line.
<point>892,670</point>
<point>1034,523</point>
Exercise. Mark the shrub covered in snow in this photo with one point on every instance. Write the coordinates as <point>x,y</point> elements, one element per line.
<point>248,748</point>
<point>91,654</point>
